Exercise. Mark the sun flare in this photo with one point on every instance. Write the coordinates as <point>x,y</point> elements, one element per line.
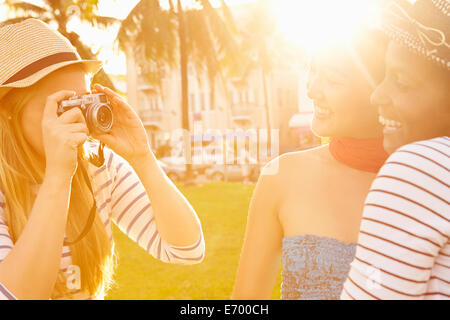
<point>312,24</point>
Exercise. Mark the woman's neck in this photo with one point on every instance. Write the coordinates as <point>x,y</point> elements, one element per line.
<point>361,154</point>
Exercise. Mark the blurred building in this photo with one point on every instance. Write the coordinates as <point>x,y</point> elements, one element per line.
<point>238,104</point>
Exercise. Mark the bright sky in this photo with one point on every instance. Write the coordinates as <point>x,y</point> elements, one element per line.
<point>102,41</point>
<point>309,23</point>
<point>315,23</point>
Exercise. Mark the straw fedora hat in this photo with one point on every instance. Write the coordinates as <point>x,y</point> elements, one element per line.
<point>30,50</point>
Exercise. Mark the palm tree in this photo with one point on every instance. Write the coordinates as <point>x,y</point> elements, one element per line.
<point>212,46</point>
<point>201,35</point>
<point>61,11</point>
<point>260,44</point>
<point>265,50</point>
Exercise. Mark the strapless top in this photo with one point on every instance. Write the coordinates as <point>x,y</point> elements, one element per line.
<point>314,268</point>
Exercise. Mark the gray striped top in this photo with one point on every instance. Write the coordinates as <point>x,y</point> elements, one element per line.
<point>314,268</point>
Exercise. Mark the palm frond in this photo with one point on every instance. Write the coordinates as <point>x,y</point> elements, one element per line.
<point>152,31</point>
<point>131,24</point>
<point>261,45</point>
<point>201,45</point>
<point>53,3</point>
<point>224,33</point>
<point>103,21</point>
<point>26,7</point>
<point>172,6</point>
<point>88,9</point>
<point>228,16</point>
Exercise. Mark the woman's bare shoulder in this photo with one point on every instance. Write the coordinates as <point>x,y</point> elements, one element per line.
<point>290,163</point>
<point>284,174</point>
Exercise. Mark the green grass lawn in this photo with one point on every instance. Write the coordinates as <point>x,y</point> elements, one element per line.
<point>222,208</point>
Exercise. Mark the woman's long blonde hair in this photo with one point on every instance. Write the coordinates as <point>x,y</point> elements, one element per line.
<point>20,171</point>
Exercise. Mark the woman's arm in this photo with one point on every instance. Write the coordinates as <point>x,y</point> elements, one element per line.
<point>176,219</point>
<point>177,222</point>
<point>30,269</point>
<point>134,214</point>
<point>261,253</point>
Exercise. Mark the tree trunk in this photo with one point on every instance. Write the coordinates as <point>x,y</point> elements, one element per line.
<point>184,92</point>
<point>212,93</point>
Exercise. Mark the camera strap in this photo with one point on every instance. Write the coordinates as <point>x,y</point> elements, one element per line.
<point>99,161</point>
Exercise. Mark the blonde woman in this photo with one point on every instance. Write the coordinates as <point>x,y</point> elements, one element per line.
<point>48,189</point>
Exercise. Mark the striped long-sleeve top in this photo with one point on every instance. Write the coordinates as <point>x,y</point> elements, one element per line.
<point>5,294</point>
<point>121,198</point>
<point>403,249</point>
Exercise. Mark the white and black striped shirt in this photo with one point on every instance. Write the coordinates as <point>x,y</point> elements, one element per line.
<point>403,248</point>
<point>120,198</point>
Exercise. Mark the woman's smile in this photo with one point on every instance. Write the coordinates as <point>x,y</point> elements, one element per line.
<point>390,126</point>
<point>322,113</point>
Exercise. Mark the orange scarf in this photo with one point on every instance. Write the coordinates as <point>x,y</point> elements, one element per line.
<point>361,154</point>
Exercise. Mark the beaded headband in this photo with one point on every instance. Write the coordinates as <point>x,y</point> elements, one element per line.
<point>424,28</point>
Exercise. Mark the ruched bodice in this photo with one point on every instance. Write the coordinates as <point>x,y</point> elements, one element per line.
<point>315,267</point>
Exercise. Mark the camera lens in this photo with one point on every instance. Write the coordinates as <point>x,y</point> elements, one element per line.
<point>104,116</point>
<point>100,117</point>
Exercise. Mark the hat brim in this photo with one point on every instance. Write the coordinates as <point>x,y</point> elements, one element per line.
<point>90,66</point>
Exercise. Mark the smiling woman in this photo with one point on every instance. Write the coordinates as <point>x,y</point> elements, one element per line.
<point>289,221</point>
<point>403,250</point>
<point>408,96</point>
<point>341,80</point>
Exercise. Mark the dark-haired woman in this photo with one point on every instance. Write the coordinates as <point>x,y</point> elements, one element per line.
<point>403,247</point>
<point>306,208</point>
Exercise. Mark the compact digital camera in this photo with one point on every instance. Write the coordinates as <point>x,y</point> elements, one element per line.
<point>96,110</point>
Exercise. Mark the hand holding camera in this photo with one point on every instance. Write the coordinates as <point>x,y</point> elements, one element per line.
<point>95,108</point>
<point>109,119</point>
<point>127,137</point>
<point>62,135</point>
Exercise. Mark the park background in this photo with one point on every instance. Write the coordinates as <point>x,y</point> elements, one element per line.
<point>222,209</point>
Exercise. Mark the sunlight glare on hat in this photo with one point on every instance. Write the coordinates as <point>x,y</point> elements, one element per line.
<point>312,24</point>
